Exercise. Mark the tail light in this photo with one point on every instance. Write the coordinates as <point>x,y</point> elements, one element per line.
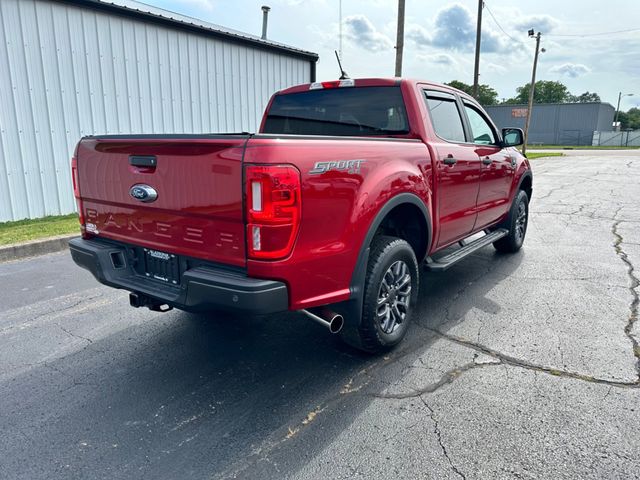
<point>76,193</point>
<point>273,210</point>
<point>348,82</point>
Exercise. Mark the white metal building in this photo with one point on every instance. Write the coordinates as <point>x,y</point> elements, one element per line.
<point>82,67</point>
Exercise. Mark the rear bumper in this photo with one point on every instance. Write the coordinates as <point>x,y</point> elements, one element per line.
<point>201,288</point>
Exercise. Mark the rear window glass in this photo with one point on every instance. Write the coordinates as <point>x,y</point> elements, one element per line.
<point>446,119</point>
<point>346,111</point>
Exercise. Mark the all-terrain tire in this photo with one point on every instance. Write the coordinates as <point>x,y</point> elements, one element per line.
<point>516,223</point>
<point>390,294</point>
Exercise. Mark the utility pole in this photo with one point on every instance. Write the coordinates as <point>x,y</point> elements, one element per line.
<point>400,38</point>
<point>476,68</point>
<point>531,90</point>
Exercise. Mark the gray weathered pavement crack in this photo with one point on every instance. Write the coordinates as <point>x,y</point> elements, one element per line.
<point>436,430</point>
<point>553,190</point>
<point>46,313</point>
<point>74,335</point>
<point>516,362</point>
<point>49,314</point>
<point>448,377</point>
<point>635,299</point>
<point>501,359</point>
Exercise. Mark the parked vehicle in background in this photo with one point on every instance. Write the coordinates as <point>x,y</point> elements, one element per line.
<point>330,209</point>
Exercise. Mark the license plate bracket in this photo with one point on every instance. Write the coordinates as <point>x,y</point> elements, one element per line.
<point>161,266</point>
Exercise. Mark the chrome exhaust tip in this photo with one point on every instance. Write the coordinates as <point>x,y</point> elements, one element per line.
<point>331,320</point>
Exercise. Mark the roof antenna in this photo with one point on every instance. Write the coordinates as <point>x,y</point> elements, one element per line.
<point>343,74</point>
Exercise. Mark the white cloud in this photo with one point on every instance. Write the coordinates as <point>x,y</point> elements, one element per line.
<point>360,30</point>
<point>295,3</point>
<point>493,68</point>
<point>540,23</point>
<point>419,35</point>
<point>207,5</point>
<point>455,29</point>
<point>571,70</point>
<point>439,59</point>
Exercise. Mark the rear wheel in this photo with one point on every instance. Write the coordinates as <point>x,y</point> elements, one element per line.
<point>390,294</point>
<point>516,222</point>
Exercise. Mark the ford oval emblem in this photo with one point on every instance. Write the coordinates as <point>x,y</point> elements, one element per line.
<point>144,193</point>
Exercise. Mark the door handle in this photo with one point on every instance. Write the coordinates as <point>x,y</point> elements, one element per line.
<point>449,160</point>
<point>486,161</point>
<point>148,161</point>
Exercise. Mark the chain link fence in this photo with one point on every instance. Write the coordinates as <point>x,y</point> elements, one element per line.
<point>627,138</point>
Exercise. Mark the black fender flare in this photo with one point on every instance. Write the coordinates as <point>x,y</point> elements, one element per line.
<point>512,195</point>
<point>526,174</point>
<point>353,308</point>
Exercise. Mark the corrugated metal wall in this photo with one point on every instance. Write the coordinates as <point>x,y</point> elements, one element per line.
<point>556,123</point>
<point>606,113</point>
<point>67,71</point>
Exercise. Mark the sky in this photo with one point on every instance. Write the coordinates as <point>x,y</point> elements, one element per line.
<point>440,39</point>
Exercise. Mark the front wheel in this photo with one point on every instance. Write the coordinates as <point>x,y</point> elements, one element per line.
<point>516,222</point>
<point>390,294</point>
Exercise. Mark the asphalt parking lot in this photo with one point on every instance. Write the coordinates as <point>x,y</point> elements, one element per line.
<point>518,366</point>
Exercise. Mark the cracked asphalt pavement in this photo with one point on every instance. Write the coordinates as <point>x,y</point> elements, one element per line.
<point>517,366</point>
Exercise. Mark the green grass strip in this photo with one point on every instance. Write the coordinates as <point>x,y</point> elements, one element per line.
<point>579,147</point>
<point>25,230</point>
<point>533,155</point>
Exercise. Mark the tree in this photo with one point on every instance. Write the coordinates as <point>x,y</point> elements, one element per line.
<point>460,86</point>
<point>509,101</point>
<point>630,119</point>
<point>586,97</point>
<point>547,91</point>
<point>486,94</point>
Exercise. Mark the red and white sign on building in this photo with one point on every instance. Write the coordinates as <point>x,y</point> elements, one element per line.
<point>519,112</point>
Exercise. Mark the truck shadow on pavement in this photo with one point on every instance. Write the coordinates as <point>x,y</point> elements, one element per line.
<point>184,395</point>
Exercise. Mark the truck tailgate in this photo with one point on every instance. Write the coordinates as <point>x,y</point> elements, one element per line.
<point>198,180</point>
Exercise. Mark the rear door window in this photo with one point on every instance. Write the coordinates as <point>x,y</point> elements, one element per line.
<point>445,116</point>
<point>346,111</point>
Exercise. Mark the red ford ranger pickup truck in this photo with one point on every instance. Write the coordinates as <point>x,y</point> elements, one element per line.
<point>331,209</point>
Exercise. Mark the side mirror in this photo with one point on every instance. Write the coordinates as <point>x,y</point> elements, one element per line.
<point>512,137</point>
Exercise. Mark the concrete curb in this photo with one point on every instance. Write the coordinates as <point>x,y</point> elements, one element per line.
<point>41,246</point>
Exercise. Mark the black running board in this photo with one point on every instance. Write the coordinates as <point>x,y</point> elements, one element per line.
<point>447,261</point>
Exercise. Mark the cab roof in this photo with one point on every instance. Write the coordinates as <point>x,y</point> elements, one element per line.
<point>367,82</point>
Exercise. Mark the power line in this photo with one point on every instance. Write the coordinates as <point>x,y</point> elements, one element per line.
<point>594,34</point>
<point>581,35</point>
<point>499,26</point>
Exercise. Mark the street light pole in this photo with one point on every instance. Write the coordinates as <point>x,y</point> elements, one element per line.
<point>615,118</point>
<point>531,90</point>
